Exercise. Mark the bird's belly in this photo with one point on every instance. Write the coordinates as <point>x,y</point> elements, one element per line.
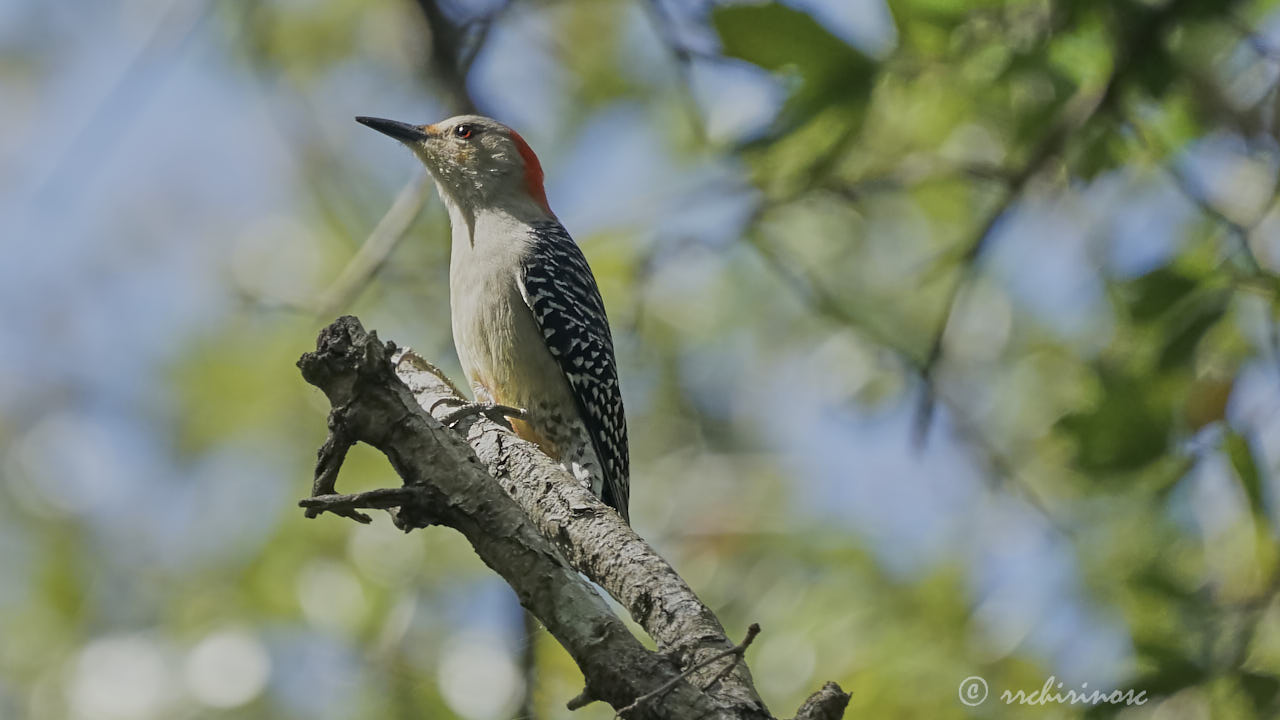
<point>505,357</point>
<point>506,360</point>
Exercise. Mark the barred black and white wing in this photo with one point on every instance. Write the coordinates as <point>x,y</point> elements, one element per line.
<point>562,292</point>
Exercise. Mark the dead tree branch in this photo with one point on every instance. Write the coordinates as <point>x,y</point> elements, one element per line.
<point>538,535</point>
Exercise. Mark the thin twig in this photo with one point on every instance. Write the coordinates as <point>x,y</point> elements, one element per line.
<point>452,53</point>
<point>379,246</point>
<point>1240,231</point>
<point>736,651</point>
<point>813,293</point>
<point>445,62</point>
<point>1079,111</point>
<point>171,35</point>
<point>682,58</point>
<point>1129,44</point>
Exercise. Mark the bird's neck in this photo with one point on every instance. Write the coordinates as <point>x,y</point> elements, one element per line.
<point>472,217</point>
<point>485,248</point>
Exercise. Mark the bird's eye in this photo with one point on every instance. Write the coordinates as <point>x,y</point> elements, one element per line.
<point>463,131</point>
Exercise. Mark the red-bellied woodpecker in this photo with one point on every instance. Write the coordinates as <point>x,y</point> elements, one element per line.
<point>528,320</point>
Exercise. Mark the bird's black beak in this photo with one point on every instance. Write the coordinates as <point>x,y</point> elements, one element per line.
<point>404,132</point>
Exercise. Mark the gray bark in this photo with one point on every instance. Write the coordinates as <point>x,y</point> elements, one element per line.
<point>537,529</point>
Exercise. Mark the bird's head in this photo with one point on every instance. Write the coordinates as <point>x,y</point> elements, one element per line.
<point>475,160</point>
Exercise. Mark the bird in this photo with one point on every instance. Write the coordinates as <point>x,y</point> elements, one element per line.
<point>528,320</point>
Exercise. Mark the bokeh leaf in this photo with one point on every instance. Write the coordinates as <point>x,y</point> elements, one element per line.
<point>1262,691</point>
<point>1129,428</point>
<point>1189,326</point>
<point>1245,465</point>
<point>782,39</point>
<point>1153,294</point>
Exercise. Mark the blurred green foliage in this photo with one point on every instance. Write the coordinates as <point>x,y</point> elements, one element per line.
<point>979,181</point>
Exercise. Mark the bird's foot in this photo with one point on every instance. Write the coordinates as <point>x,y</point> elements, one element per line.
<point>448,401</point>
<point>493,411</point>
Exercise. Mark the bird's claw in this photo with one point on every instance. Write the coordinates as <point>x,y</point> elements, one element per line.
<point>493,411</point>
<point>453,400</point>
